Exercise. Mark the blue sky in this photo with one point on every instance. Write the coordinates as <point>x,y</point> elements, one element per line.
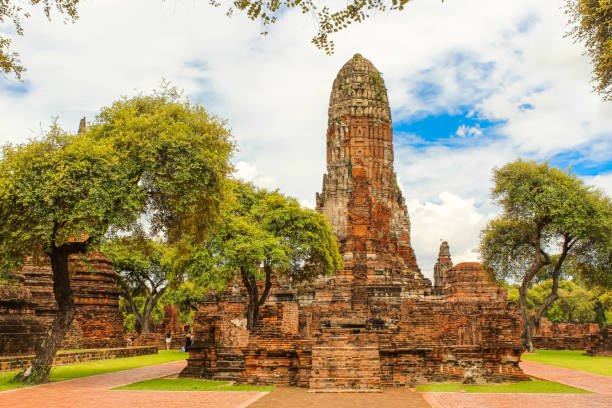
<point>472,85</point>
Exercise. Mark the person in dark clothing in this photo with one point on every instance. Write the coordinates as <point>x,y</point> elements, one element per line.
<point>187,342</point>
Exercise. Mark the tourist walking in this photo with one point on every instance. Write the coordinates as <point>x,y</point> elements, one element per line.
<point>168,340</point>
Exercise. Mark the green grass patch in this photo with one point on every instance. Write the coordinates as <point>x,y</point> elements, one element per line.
<point>523,387</point>
<point>574,359</point>
<point>190,384</point>
<point>67,372</point>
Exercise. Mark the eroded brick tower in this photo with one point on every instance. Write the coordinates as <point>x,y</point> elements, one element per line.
<point>360,196</point>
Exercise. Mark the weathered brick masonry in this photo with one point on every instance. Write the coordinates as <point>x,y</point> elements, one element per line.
<point>26,314</point>
<point>378,321</point>
<point>564,336</point>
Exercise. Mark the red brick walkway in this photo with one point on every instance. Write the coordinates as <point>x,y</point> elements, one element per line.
<point>95,391</point>
<point>600,384</point>
<point>596,383</point>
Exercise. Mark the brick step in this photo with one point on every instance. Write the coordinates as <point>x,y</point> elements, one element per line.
<point>345,367</point>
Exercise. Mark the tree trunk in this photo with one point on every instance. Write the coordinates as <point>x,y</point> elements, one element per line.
<point>554,291</point>
<point>254,300</point>
<point>41,365</point>
<point>527,333</point>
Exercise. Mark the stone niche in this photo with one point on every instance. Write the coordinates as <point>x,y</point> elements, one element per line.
<point>377,322</point>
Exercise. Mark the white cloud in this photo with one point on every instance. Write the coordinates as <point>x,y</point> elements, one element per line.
<point>453,219</point>
<point>496,57</point>
<point>601,181</point>
<point>248,172</point>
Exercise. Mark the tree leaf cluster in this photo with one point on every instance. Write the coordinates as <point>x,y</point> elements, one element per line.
<point>591,24</point>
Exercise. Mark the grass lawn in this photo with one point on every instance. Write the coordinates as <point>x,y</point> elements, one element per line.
<point>534,386</point>
<point>574,359</point>
<point>188,384</point>
<point>67,372</point>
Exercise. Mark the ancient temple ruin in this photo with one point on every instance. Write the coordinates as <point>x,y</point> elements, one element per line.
<point>29,307</point>
<point>377,322</point>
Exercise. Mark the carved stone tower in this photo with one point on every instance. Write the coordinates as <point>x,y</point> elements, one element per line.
<point>361,197</point>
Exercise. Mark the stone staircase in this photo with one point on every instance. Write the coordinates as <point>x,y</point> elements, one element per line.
<point>229,365</point>
<point>338,366</point>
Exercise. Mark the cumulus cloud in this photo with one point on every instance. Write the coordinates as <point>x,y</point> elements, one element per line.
<point>453,219</point>
<point>602,182</point>
<point>503,61</point>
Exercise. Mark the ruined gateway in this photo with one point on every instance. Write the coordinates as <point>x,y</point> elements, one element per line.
<point>378,322</point>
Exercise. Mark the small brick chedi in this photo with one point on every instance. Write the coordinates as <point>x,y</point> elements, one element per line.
<point>377,322</point>
<point>30,307</point>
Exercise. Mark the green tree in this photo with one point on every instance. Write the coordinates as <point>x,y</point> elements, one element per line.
<point>267,233</point>
<point>544,207</point>
<point>58,196</point>
<point>187,296</point>
<point>144,269</point>
<point>591,24</point>
<point>155,157</point>
<point>14,11</point>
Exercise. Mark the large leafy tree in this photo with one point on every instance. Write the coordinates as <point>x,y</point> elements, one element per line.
<point>144,269</point>
<point>155,157</point>
<point>591,24</point>
<point>58,196</point>
<point>267,233</point>
<point>543,209</point>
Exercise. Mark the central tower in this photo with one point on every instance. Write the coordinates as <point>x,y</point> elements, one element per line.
<point>360,196</point>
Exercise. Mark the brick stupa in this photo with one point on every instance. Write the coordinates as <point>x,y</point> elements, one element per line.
<point>378,322</point>
<point>97,323</point>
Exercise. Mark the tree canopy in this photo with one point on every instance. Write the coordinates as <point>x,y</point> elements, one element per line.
<point>267,233</point>
<point>545,208</point>
<point>591,24</point>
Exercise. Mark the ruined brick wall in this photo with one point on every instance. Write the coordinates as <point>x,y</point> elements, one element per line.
<point>564,336</point>
<point>96,301</point>
<point>469,281</point>
<point>98,322</point>
<point>600,343</point>
<point>20,331</point>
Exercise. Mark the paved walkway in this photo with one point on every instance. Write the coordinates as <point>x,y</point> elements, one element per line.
<point>599,384</point>
<point>95,391</point>
<point>294,397</point>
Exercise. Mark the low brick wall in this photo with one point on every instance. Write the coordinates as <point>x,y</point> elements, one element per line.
<point>73,357</point>
<point>562,343</point>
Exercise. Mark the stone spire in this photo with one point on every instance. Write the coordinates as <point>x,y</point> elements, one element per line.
<point>360,196</point>
<point>443,265</point>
